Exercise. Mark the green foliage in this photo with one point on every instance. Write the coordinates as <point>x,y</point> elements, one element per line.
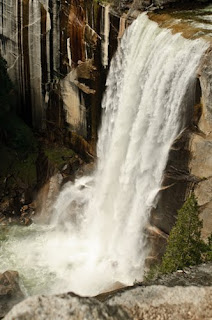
<point>14,133</point>
<point>18,145</point>
<point>16,170</point>
<point>152,273</point>
<point>184,246</point>
<point>59,155</point>
<point>18,135</point>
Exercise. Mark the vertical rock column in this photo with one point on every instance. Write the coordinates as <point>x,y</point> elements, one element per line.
<point>54,56</point>
<point>33,55</point>
<point>201,147</point>
<point>30,44</point>
<point>73,102</point>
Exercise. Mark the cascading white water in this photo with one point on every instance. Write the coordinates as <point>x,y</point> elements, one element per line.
<point>105,31</point>
<point>96,237</point>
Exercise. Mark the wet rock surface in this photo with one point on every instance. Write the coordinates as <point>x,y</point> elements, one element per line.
<point>10,292</point>
<point>183,295</point>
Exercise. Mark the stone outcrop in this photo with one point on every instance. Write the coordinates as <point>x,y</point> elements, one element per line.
<point>65,307</point>
<point>160,302</point>
<point>10,292</point>
<point>43,41</point>
<point>54,53</point>
<point>201,148</point>
<point>156,302</point>
<point>200,275</point>
<point>189,167</point>
<point>57,59</point>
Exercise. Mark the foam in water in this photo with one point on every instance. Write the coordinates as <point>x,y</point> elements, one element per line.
<point>97,234</point>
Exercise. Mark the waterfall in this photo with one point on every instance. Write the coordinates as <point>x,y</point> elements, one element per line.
<point>105,32</point>
<point>97,234</point>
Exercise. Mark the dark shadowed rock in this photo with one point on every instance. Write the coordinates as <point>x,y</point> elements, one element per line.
<point>10,292</point>
<point>148,4</point>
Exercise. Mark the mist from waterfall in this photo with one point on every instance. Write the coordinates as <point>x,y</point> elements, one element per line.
<point>97,233</point>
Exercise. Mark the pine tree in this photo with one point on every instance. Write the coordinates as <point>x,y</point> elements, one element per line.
<point>184,244</point>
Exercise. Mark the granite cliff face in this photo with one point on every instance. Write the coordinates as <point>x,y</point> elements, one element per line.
<point>201,148</point>
<point>57,56</point>
<point>58,53</point>
<point>189,166</point>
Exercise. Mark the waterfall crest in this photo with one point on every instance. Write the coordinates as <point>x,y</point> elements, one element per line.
<point>97,232</point>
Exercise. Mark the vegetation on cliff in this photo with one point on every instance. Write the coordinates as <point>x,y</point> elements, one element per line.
<point>18,148</point>
<point>185,247</point>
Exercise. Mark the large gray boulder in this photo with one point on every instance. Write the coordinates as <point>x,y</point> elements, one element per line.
<point>163,303</point>
<point>65,307</point>
<point>154,302</point>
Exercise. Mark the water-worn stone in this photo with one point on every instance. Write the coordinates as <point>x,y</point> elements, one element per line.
<point>151,302</point>
<point>162,303</point>
<point>65,307</point>
<point>10,292</point>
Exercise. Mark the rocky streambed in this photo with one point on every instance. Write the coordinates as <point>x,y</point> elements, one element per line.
<point>185,294</point>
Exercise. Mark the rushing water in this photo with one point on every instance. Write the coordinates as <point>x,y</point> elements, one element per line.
<point>200,19</point>
<point>105,31</point>
<point>97,234</point>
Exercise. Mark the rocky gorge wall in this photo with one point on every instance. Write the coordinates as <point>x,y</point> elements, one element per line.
<point>201,148</point>
<point>189,166</point>
<point>58,53</point>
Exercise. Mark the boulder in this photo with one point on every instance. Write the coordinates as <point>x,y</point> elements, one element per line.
<point>153,302</point>
<point>10,292</point>
<point>165,303</point>
<point>65,307</point>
